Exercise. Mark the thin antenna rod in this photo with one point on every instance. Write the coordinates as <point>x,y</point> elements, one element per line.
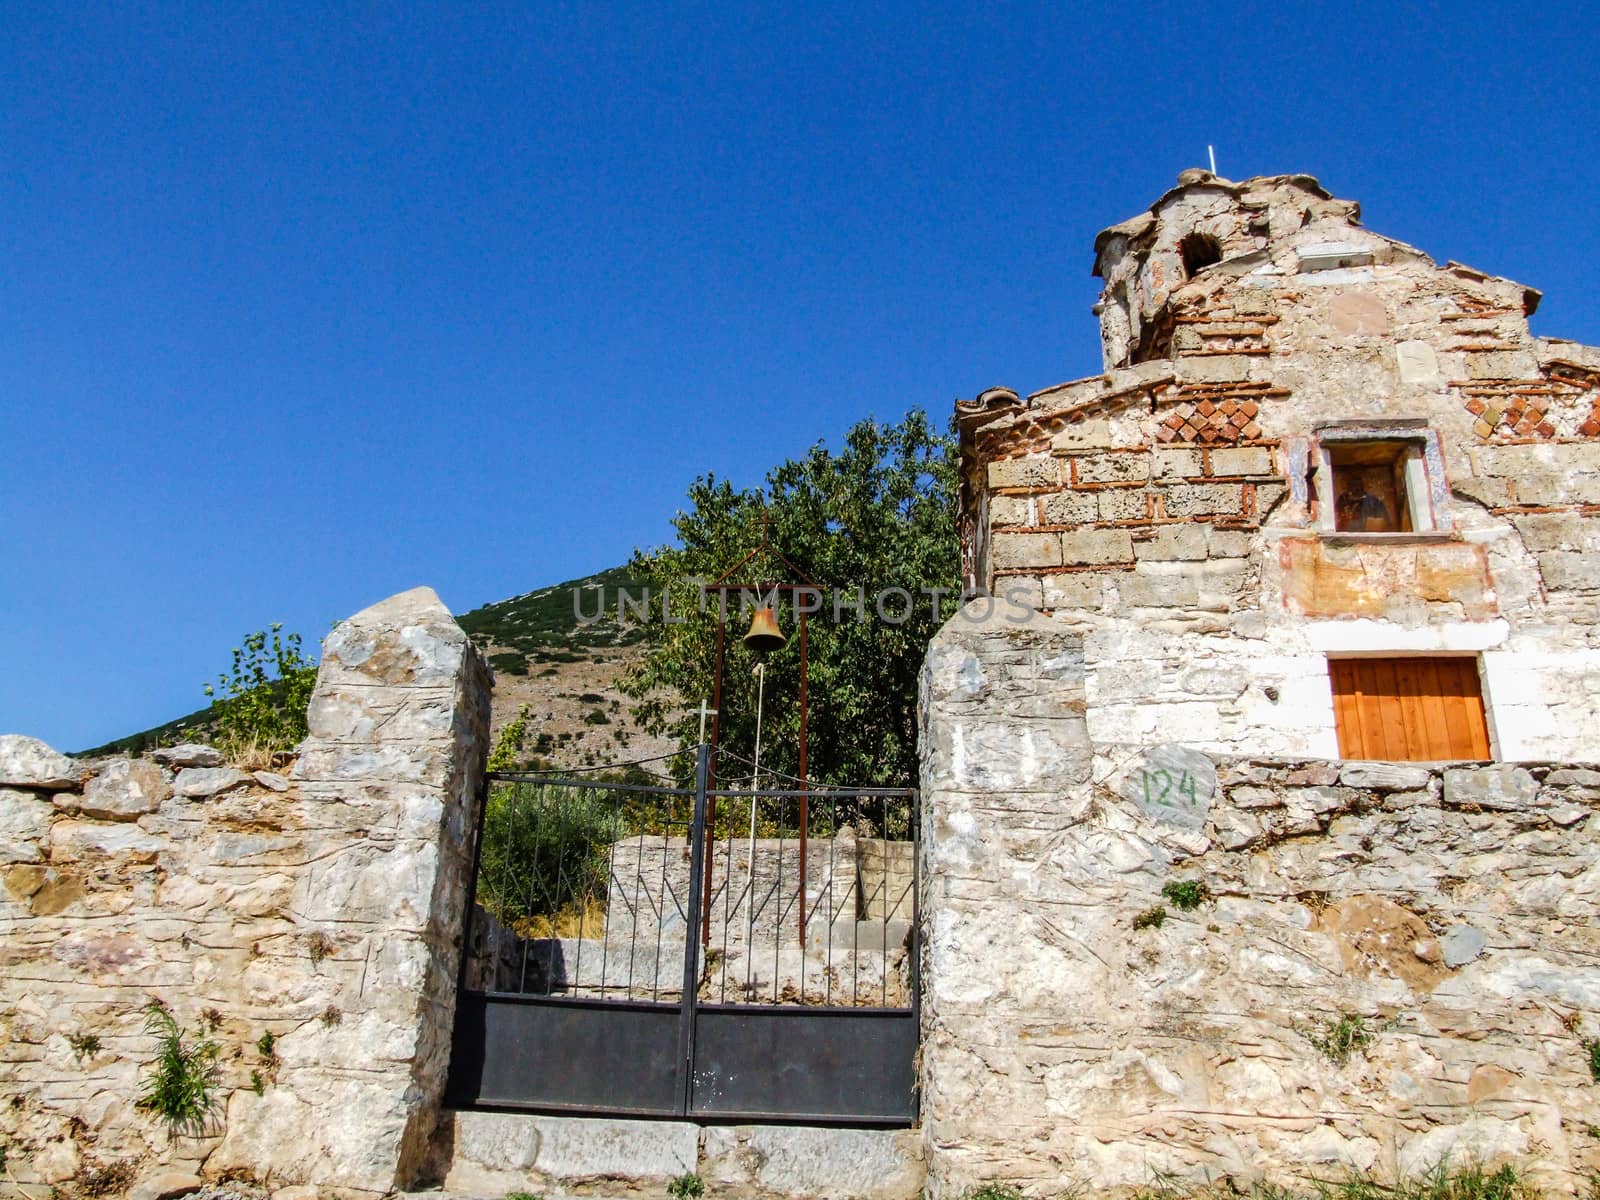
<point>1212,151</point>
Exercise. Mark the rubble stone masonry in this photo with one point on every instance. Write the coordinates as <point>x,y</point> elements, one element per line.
<point>322,908</point>
<point>1450,909</point>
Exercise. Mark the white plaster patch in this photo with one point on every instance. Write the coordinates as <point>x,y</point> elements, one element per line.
<point>1362,634</point>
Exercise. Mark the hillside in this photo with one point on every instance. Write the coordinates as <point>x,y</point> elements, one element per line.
<point>564,671</point>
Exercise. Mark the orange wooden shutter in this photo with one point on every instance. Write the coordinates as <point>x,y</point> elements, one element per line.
<point>1409,709</point>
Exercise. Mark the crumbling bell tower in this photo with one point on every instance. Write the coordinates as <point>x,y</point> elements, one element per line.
<point>1203,232</point>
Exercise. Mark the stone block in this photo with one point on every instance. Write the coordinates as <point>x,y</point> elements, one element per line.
<point>1489,492</point>
<point>1124,504</point>
<point>1082,436</point>
<point>1023,590</point>
<point>165,1185</point>
<point>1573,777</point>
<point>27,762</point>
<point>1025,473</point>
<point>74,841</point>
<point>1213,368</point>
<point>1502,787</point>
<point>1227,543</point>
<point>124,790</point>
<point>24,826</point>
<point>1079,589</point>
<point>1069,508</point>
<point>1086,547</point>
<point>1416,363</point>
<point>1124,467</point>
<point>1256,797</point>
<point>1253,300</point>
<point>1148,587</point>
<point>1172,785</point>
<point>1570,571</point>
<point>188,754</point>
<point>1322,799</point>
<point>589,1148</point>
<point>1557,531</point>
<point>1499,461</point>
<point>1221,583</point>
<point>1384,776</point>
<point>1014,551</point>
<point>1172,543</point>
<point>1242,460</point>
<point>1020,755</point>
<point>1169,465</point>
<point>1502,364</point>
<point>197,783</point>
<point>1268,495</point>
<point>1205,499</point>
<point>1551,488</point>
<point>834,1164</point>
<point>490,1146</point>
<point>1010,510</point>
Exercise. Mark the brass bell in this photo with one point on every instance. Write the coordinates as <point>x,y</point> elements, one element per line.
<point>764,635</point>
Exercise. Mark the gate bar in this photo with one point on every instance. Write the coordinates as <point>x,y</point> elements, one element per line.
<point>691,944</point>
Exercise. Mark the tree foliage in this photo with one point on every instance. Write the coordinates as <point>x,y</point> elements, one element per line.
<point>264,695</point>
<point>875,515</point>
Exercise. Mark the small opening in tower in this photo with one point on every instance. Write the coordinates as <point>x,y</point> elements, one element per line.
<point>1199,251</point>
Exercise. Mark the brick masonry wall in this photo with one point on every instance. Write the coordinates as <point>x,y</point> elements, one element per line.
<point>323,908</point>
<point>1450,908</point>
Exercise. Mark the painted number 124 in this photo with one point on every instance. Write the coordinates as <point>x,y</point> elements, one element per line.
<point>1158,785</point>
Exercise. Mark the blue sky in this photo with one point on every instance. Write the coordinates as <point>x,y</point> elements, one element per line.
<point>300,307</point>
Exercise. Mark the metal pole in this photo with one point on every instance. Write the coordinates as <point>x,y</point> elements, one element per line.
<point>804,814</point>
<point>691,952</point>
<point>480,814</point>
<point>711,815</point>
<point>755,778</point>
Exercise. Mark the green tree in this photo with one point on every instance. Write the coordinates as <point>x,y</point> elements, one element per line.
<point>875,515</point>
<point>263,697</point>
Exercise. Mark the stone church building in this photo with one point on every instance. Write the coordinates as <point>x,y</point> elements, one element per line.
<point>1290,609</point>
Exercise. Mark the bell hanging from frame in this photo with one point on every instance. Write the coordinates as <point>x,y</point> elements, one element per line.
<point>764,635</point>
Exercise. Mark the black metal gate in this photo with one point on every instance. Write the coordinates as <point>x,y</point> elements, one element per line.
<point>643,949</point>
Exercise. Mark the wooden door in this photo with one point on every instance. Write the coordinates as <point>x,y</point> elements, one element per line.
<point>1409,709</point>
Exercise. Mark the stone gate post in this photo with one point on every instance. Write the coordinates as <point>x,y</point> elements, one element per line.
<point>388,782</point>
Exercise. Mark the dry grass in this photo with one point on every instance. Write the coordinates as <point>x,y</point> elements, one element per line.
<point>588,920</point>
<point>250,754</point>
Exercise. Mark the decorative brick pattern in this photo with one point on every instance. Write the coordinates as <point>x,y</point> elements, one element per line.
<point>1564,402</point>
<point>1221,421</point>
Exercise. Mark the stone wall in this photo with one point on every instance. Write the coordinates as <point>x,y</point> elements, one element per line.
<point>1447,912</point>
<point>320,905</point>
